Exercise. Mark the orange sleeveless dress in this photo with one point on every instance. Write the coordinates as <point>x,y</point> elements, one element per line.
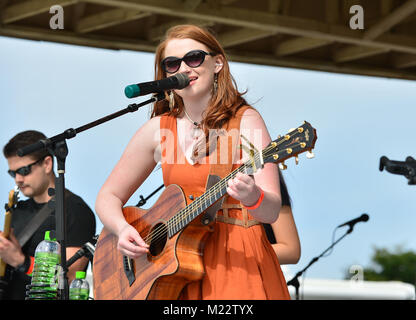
<point>240,263</point>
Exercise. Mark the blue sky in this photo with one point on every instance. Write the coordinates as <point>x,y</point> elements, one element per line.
<point>52,87</point>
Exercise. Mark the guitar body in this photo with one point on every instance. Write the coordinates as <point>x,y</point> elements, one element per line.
<point>162,273</point>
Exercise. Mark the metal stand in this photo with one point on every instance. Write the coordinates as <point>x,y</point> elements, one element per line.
<point>406,168</point>
<point>87,250</point>
<point>143,201</point>
<point>295,281</point>
<point>57,146</point>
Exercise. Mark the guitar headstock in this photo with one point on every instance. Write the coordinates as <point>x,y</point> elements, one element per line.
<point>299,140</point>
<point>13,197</point>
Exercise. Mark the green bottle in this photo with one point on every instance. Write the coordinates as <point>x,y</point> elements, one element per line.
<point>44,283</point>
<point>79,288</point>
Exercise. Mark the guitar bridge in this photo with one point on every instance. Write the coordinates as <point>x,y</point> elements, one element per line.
<point>129,269</point>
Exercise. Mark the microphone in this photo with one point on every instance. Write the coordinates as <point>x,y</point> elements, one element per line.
<point>178,81</point>
<point>406,168</point>
<point>88,250</point>
<point>364,218</point>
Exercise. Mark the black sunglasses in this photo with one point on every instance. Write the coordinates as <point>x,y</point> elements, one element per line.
<point>24,171</point>
<point>193,59</point>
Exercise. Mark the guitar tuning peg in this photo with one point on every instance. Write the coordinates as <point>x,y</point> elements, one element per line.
<point>310,155</point>
<point>282,166</point>
<point>297,160</point>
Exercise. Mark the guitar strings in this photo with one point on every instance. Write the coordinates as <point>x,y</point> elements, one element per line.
<point>158,233</point>
<point>173,223</point>
<point>219,185</point>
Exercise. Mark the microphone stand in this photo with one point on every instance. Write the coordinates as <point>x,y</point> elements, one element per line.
<point>87,250</point>
<point>295,281</point>
<point>143,201</point>
<point>57,146</point>
<point>406,168</point>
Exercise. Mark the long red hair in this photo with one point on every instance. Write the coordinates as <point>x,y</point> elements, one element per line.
<point>224,102</point>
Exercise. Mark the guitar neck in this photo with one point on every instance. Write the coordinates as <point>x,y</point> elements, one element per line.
<point>7,224</point>
<point>6,233</point>
<point>13,198</point>
<point>201,203</point>
<point>293,143</point>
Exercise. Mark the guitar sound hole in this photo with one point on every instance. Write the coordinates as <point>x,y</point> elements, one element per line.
<point>158,237</point>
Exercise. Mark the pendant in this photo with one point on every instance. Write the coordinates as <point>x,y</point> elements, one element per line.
<point>196,132</point>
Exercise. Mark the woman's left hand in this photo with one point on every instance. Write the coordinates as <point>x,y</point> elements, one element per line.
<point>244,189</point>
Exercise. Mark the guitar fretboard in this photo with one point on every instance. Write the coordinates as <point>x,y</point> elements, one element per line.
<point>201,203</point>
<point>296,141</point>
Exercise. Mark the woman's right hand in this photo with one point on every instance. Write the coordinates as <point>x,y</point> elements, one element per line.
<point>130,243</point>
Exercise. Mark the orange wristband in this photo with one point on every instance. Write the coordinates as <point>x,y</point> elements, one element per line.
<point>32,264</point>
<point>258,203</point>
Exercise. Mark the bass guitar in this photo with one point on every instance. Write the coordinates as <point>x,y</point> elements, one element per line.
<point>13,199</point>
<point>176,233</point>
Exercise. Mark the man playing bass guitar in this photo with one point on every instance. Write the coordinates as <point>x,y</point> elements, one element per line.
<point>34,175</point>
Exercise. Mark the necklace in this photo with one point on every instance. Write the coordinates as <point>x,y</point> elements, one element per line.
<point>196,130</point>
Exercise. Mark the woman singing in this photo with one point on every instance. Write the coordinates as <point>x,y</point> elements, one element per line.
<point>239,261</point>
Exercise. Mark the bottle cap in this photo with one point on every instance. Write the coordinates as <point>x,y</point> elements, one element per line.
<point>80,275</point>
<point>50,236</point>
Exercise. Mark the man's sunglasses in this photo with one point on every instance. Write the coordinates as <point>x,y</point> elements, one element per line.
<point>193,59</point>
<point>24,171</point>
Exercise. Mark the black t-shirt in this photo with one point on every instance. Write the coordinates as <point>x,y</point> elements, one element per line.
<point>80,228</point>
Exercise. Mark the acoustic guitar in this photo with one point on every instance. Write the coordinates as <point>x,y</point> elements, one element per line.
<point>13,199</point>
<point>176,233</point>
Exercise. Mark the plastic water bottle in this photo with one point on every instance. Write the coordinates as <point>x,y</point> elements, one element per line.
<point>44,284</point>
<point>79,288</point>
